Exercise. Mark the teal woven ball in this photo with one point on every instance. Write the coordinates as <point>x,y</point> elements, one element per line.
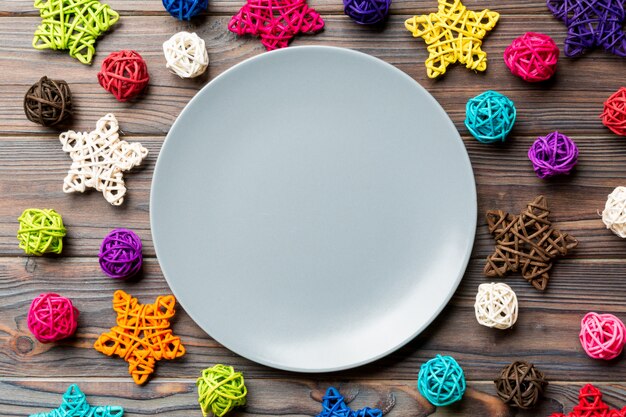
<point>490,116</point>
<point>441,381</point>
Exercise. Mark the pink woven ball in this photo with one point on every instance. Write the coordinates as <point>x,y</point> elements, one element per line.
<point>532,57</point>
<point>602,335</point>
<point>52,317</point>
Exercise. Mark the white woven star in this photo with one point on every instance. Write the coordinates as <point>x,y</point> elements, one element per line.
<point>99,159</point>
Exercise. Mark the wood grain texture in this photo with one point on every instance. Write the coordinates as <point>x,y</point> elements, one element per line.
<point>33,376</point>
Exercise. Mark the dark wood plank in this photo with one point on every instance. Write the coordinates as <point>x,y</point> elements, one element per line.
<point>289,396</point>
<point>546,332</point>
<point>571,102</point>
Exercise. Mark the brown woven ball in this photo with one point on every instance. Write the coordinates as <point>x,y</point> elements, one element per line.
<point>521,385</point>
<point>48,102</point>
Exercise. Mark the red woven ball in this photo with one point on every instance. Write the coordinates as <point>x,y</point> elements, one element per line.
<point>52,317</point>
<point>124,74</point>
<point>614,114</point>
<point>532,57</point>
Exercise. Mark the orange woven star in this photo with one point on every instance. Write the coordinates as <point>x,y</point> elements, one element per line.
<point>142,335</point>
<point>453,34</point>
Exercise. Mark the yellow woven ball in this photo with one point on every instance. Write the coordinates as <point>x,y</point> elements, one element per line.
<point>220,389</point>
<point>40,231</point>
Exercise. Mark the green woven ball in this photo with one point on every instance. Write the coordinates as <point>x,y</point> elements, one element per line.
<point>490,116</point>
<point>441,381</point>
<point>220,389</point>
<point>40,231</point>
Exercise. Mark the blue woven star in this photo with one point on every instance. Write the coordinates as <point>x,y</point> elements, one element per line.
<point>334,405</point>
<point>75,405</point>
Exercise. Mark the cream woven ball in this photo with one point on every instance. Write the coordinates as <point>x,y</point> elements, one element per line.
<point>186,55</point>
<point>614,213</point>
<point>496,305</point>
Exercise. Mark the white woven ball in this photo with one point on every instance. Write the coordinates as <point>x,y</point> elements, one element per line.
<point>614,213</point>
<point>186,54</point>
<point>496,305</point>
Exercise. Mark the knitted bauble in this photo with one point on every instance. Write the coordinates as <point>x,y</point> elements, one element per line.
<point>124,74</point>
<point>441,381</point>
<point>490,116</point>
<point>220,389</point>
<point>48,102</point>
<point>532,57</point>
<point>52,317</point>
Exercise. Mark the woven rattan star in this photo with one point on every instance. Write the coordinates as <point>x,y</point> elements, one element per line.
<point>99,159</point>
<point>591,405</point>
<point>275,21</point>
<point>527,243</point>
<point>142,335</point>
<point>73,25</point>
<point>453,34</point>
<point>75,405</point>
<point>334,405</point>
<point>592,23</point>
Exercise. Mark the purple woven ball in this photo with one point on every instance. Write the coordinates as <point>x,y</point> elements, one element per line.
<point>554,154</point>
<point>367,12</point>
<point>120,254</point>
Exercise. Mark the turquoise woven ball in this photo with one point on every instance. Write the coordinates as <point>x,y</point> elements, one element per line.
<point>441,381</point>
<point>490,116</point>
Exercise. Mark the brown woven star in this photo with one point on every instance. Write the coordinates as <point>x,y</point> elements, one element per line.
<point>527,243</point>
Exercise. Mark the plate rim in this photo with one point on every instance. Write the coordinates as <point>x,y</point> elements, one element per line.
<point>463,265</point>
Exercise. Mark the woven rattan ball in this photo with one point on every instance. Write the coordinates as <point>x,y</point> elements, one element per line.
<point>496,305</point>
<point>490,116</point>
<point>614,213</point>
<point>521,385</point>
<point>48,102</point>
<point>186,55</point>
<point>614,114</point>
<point>367,12</point>
<point>441,381</point>
<point>532,57</point>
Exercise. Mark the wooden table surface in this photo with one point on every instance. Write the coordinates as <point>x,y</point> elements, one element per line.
<point>33,376</point>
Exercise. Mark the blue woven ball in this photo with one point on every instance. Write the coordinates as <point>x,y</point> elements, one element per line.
<point>367,12</point>
<point>490,116</point>
<point>185,9</point>
<point>441,381</point>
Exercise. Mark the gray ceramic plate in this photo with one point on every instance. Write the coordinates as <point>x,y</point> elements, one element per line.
<point>313,209</point>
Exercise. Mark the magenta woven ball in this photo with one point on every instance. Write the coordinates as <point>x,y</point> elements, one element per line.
<point>532,57</point>
<point>120,254</point>
<point>52,317</point>
<point>553,154</point>
<point>603,336</point>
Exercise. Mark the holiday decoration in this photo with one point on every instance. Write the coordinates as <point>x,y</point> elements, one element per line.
<point>275,21</point>
<point>99,159</point>
<point>614,114</point>
<point>75,405</point>
<point>453,34</point>
<point>120,254</point>
<point>367,12</point>
<point>40,231</point>
<point>527,243</point>
<point>521,385</point>
<point>490,116</point>
<point>602,336</point>
<point>591,23</point>
<point>614,213</point>
<point>334,405</point>
<point>124,74</point>
<point>52,317</point>
<point>496,306</point>
<point>142,335</point>
<point>73,25</point>
<point>441,381</point>
<point>554,154</point>
<point>591,405</point>
<point>48,102</point>
<point>186,55</point>
<point>185,9</point>
<point>220,389</point>
<point>532,57</point>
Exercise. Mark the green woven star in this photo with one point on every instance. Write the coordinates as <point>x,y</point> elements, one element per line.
<point>75,405</point>
<point>73,25</point>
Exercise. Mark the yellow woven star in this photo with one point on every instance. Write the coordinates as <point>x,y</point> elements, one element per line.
<point>453,34</point>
